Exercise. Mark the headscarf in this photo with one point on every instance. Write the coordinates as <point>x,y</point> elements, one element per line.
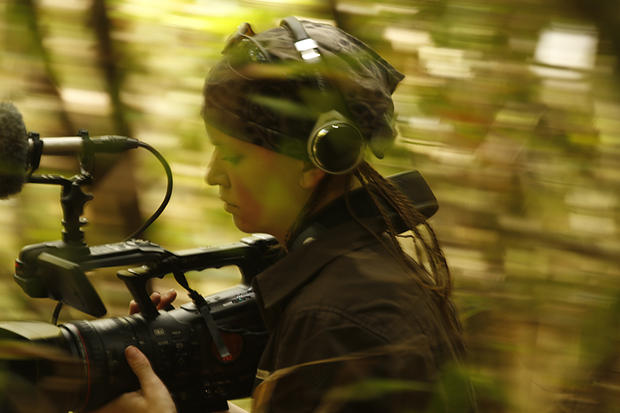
<point>263,93</point>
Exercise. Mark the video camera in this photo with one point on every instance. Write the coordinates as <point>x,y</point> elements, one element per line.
<point>206,352</point>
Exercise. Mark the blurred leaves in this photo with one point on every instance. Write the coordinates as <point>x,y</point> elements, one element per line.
<point>509,108</point>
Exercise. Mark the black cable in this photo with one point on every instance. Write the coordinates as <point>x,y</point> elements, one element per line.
<point>56,312</point>
<point>164,202</point>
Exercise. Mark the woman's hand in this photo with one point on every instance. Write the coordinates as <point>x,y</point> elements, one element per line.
<point>153,397</point>
<point>160,300</point>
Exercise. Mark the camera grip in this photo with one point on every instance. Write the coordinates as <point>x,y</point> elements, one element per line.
<point>135,279</point>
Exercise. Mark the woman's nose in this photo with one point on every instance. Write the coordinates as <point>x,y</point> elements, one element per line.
<point>215,173</point>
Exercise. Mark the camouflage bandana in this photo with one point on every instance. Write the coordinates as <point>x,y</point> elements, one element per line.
<point>261,92</point>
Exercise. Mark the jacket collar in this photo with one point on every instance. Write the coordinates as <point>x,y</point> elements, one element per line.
<point>283,279</point>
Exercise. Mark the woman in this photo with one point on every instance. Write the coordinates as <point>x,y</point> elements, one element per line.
<point>355,323</point>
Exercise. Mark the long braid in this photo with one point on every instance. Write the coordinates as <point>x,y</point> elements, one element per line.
<point>432,252</point>
<point>438,272</point>
<point>390,248</point>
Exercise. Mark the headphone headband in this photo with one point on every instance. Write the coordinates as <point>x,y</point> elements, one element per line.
<point>305,45</point>
<point>335,145</point>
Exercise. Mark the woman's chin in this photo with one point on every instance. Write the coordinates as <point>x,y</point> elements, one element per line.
<point>244,225</point>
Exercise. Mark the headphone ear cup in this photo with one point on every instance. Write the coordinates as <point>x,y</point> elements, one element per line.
<point>335,145</point>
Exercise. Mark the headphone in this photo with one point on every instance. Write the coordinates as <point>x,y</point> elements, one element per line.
<point>335,145</point>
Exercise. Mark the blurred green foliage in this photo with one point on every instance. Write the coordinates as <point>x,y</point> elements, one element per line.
<point>510,109</point>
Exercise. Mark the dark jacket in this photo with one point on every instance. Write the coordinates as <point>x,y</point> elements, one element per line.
<point>351,328</point>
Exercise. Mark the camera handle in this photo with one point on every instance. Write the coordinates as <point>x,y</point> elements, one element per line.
<point>72,199</point>
<point>136,278</point>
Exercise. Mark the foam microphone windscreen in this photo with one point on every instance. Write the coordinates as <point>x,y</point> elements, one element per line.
<point>13,150</point>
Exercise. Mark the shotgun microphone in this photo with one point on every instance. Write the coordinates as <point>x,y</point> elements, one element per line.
<point>13,150</point>
<point>21,151</point>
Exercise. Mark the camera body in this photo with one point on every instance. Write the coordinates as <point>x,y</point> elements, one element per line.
<point>177,343</point>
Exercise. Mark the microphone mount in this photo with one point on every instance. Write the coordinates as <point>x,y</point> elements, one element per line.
<point>72,200</point>
<point>87,154</point>
<point>36,151</point>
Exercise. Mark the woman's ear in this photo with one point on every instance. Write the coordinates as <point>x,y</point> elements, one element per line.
<point>310,177</point>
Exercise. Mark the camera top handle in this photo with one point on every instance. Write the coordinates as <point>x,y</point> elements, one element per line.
<point>252,255</point>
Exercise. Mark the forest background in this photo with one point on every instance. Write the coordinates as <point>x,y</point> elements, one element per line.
<point>510,109</point>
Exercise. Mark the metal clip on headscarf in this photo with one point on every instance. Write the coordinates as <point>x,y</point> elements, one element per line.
<point>305,45</point>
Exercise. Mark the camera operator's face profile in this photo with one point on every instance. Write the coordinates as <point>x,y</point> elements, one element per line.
<point>263,190</point>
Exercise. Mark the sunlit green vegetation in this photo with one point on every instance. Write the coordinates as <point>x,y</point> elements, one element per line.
<point>510,109</point>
